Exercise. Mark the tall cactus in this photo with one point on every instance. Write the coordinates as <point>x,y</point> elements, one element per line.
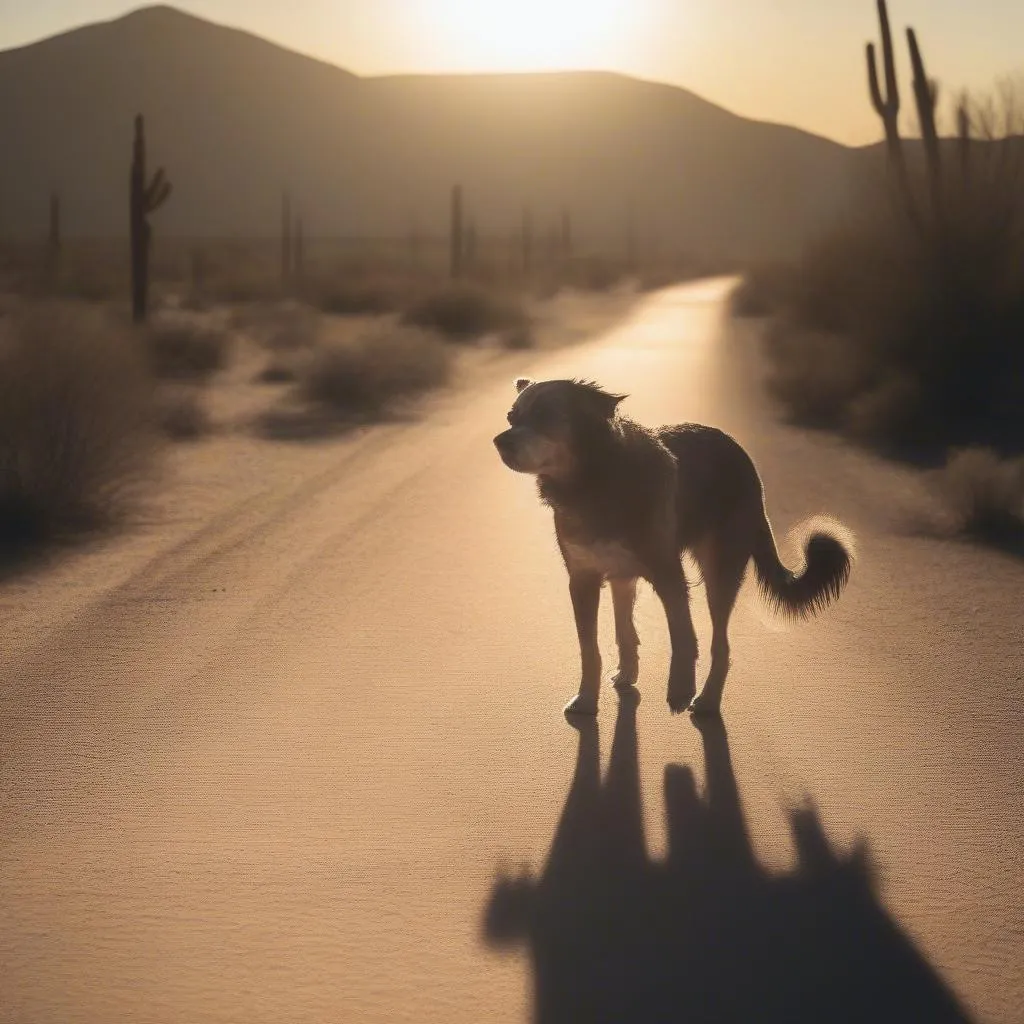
<point>888,106</point>
<point>457,239</point>
<point>147,195</point>
<point>963,124</point>
<point>926,94</point>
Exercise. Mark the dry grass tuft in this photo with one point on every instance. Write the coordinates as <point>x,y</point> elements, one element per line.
<point>467,312</point>
<point>77,425</point>
<point>985,495</point>
<point>368,373</point>
<point>184,346</point>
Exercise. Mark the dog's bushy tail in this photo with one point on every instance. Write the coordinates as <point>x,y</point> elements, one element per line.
<point>804,593</point>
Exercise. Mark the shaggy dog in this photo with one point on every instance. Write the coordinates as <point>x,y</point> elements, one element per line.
<point>628,501</point>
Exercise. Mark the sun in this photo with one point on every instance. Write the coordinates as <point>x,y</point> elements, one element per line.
<point>527,35</point>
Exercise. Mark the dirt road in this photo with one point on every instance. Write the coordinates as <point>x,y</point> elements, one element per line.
<point>308,762</point>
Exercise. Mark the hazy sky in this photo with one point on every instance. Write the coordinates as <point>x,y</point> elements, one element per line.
<point>796,61</point>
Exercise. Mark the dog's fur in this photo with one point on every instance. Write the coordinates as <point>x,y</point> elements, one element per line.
<point>628,501</point>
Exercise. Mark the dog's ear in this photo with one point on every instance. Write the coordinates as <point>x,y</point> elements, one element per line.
<point>522,384</point>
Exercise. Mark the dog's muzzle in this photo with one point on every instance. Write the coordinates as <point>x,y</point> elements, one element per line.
<point>506,448</point>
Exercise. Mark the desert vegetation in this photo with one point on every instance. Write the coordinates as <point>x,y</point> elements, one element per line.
<point>77,424</point>
<point>903,324</point>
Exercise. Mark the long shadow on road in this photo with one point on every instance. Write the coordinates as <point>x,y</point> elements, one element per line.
<point>707,934</point>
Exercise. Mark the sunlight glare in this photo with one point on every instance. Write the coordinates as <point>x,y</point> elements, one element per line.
<point>533,34</point>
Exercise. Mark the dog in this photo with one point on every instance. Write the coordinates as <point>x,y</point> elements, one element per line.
<point>628,501</point>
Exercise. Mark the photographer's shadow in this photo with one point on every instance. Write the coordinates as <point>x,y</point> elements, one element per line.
<point>708,934</point>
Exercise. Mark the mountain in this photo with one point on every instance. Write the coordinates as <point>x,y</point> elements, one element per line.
<point>235,119</point>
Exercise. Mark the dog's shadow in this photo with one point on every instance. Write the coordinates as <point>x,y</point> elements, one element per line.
<point>708,934</point>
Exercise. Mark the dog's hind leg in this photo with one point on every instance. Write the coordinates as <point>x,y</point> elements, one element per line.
<point>722,564</point>
<point>670,586</point>
<point>585,591</point>
<point>624,599</point>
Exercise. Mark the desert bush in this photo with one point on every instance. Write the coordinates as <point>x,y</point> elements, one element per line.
<point>985,494</point>
<point>186,347</point>
<point>910,321</point>
<point>344,295</point>
<point>277,372</point>
<point>182,414</point>
<point>365,374</point>
<point>77,427</point>
<point>279,326</point>
<point>466,312</point>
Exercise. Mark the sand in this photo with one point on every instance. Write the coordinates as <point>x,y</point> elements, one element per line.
<point>266,756</point>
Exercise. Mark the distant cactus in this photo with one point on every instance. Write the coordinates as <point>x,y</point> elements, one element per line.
<point>926,94</point>
<point>566,235</point>
<point>457,240</point>
<point>53,241</point>
<point>888,106</point>
<point>147,196</point>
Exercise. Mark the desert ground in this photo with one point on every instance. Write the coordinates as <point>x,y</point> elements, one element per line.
<point>292,748</point>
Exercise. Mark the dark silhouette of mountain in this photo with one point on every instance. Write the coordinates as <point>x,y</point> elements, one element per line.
<point>708,936</point>
<point>235,119</point>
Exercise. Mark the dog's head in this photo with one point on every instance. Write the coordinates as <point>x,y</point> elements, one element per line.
<point>549,421</point>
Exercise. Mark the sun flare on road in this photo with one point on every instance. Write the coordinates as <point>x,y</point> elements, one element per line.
<point>527,35</point>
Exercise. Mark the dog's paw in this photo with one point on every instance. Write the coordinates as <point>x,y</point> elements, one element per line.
<point>681,693</point>
<point>581,705</point>
<point>706,706</point>
<point>626,677</point>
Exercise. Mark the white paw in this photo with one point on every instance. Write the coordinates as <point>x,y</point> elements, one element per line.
<point>581,705</point>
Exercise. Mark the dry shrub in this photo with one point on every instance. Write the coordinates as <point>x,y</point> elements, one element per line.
<point>985,494</point>
<point>280,326</point>
<point>467,312</point>
<point>344,295</point>
<point>366,374</point>
<point>183,346</point>
<point>76,420</point>
<point>182,414</point>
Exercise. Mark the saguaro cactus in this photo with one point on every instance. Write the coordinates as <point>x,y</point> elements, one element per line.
<point>147,196</point>
<point>457,235</point>
<point>926,94</point>
<point>888,106</point>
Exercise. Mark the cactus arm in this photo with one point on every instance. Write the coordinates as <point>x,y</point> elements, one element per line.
<point>154,200</point>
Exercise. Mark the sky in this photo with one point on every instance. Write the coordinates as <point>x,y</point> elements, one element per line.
<point>799,62</point>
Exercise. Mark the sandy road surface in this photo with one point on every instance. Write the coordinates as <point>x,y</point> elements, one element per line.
<point>275,772</point>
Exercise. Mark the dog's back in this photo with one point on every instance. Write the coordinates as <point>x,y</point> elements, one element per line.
<point>717,479</point>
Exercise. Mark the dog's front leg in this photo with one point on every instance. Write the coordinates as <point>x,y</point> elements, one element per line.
<point>585,591</point>
<point>669,584</point>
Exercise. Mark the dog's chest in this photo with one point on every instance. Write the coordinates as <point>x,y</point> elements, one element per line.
<point>610,558</point>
